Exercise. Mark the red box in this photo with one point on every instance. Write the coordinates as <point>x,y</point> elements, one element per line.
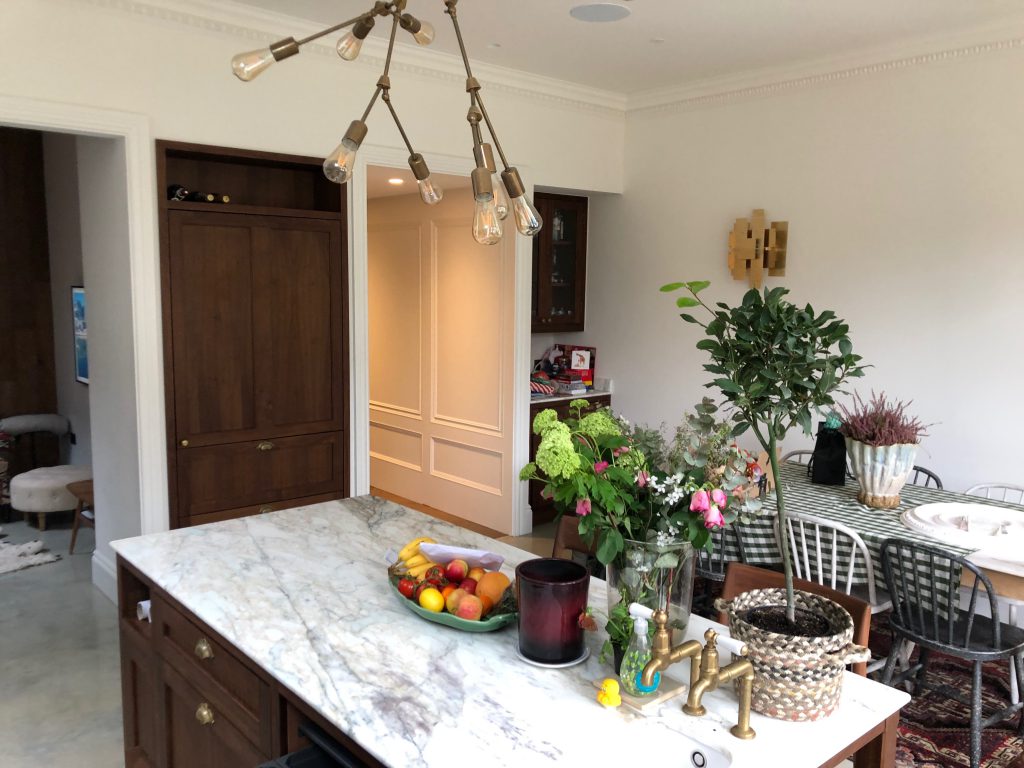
<point>580,362</point>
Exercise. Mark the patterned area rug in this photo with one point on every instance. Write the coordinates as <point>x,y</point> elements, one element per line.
<point>935,729</point>
<point>14,557</point>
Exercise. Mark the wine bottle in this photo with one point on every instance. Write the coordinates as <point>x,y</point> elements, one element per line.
<point>177,192</point>
<point>200,197</point>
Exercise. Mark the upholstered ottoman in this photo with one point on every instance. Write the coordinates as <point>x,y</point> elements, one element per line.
<point>44,490</point>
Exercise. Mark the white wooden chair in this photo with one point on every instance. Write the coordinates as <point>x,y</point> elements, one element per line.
<point>1008,492</point>
<point>798,457</point>
<point>818,545</point>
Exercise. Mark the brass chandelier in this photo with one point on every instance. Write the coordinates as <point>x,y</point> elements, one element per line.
<point>493,197</point>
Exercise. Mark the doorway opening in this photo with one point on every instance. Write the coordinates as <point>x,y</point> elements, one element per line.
<point>441,322</point>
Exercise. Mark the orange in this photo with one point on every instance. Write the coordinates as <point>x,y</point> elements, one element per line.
<point>487,604</point>
<point>493,585</point>
<point>449,588</point>
<point>431,600</point>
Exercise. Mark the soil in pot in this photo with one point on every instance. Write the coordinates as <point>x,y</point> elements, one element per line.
<point>772,618</point>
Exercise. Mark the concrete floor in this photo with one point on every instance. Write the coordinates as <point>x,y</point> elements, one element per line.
<point>60,674</point>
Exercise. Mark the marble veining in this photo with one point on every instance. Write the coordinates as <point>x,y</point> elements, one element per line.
<point>303,593</point>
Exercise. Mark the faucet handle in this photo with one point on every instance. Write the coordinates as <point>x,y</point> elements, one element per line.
<point>711,639</point>
<point>660,618</point>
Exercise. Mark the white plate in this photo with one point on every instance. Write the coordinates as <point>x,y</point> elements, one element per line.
<point>972,526</point>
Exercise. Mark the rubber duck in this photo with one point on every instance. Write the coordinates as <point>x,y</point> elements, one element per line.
<point>609,696</point>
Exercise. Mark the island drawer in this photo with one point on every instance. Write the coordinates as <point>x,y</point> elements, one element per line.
<point>213,478</point>
<point>203,660</point>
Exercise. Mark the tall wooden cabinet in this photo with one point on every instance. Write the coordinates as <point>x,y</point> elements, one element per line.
<point>255,333</point>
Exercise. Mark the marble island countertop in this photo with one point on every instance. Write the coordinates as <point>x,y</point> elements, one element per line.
<point>304,594</point>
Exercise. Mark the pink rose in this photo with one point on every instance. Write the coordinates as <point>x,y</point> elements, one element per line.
<point>718,498</point>
<point>700,501</point>
<point>600,467</point>
<point>713,518</point>
<point>619,451</point>
<point>583,507</point>
<point>642,478</point>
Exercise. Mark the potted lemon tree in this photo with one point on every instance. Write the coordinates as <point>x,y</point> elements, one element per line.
<point>776,363</point>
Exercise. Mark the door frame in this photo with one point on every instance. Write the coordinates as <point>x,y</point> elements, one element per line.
<point>359,375</point>
<point>143,267</point>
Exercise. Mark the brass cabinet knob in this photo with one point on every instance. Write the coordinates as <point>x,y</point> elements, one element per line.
<point>203,649</point>
<point>265,510</point>
<point>264,445</point>
<point>204,714</point>
<point>184,443</point>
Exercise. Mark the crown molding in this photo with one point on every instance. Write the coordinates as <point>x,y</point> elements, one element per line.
<point>261,27</point>
<point>979,41</point>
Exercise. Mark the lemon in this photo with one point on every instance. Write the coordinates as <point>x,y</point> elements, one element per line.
<point>432,600</point>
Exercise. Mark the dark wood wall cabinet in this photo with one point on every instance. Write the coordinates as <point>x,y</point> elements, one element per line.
<point>560,264</point>
<point>255,332</point>
<point>544,509</point>
<point>192,700</point>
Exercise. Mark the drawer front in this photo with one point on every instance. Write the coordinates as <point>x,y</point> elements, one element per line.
<point>199,733</point>
<point>259,509</point>
<point>205,662</point>
<point>259,472</point>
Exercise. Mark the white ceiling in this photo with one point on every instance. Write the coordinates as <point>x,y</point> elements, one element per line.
<point>377,184</point>
<point>701,39</point>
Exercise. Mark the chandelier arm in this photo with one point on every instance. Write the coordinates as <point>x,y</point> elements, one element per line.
<point>490,129</point>
<point>398,123</point>
<point>342,25</point>
<point>450,10</point>
<point>391,42</point>
<point>373,100</point>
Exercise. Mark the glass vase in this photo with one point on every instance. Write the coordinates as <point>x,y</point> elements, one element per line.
<point>655,575</point>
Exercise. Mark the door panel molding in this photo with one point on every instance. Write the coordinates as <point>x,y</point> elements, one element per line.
<point>377,428</point>
<point>463,454</point>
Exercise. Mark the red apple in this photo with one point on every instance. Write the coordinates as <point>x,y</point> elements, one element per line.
<point>468,586</point>
<point>453,600</point>
<point>470,607</point>
<point>456,571</point>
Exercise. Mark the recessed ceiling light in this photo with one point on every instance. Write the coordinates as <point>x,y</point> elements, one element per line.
<point>494,45</point>
<point>657,40</point>
<point>599,12</point>
<point>396,181</point>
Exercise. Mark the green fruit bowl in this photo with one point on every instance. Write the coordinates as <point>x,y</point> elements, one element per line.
<point>501,615</point>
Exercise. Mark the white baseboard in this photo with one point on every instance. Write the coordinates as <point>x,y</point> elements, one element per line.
<point>104,576</point>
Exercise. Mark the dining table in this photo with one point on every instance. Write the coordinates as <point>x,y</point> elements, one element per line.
<point>839,504</point>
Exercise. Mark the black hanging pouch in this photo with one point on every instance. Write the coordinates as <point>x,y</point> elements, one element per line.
<point>828,464</point>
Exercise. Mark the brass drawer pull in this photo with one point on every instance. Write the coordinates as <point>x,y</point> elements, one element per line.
<point>204,714</point>
<point>266,510</point>
<point>203,649</point>
<point>184,443</point>
<point>264,445</point>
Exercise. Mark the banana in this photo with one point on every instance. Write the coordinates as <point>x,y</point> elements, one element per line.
<point>418,571</point>
<point>415,560</point>
<point>413,547</point>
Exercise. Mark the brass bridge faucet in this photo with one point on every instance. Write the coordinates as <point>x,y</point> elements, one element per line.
<point>705,674</point>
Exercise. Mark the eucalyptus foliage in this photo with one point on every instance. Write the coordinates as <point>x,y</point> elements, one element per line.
<point>775,363</point>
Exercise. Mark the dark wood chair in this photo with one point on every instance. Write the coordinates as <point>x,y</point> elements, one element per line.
<point>568,539</point>
<point>931,618</point>
<point>85,510</point>
<point>740,578</point>
<point>924,478</point>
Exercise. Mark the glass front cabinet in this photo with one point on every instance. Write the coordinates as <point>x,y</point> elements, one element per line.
<point>560,264</point>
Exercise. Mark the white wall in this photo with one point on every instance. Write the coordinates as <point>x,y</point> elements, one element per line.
<point>60,160</point>
<point>103,205</point>
<point>904,196</point>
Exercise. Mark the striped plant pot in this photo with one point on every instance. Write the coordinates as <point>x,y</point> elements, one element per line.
<point>881,470</point>
<point>795,678</point>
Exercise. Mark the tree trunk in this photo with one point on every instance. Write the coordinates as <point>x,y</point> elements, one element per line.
<point>780,504</point>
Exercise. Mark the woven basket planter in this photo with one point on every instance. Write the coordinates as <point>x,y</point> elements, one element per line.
<point>795,678</point>
<point>882,471</point>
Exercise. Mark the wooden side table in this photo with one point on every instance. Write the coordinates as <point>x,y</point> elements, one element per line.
<point>81,490</point>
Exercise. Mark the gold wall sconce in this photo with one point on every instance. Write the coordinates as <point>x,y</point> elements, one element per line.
<point>756,247</point>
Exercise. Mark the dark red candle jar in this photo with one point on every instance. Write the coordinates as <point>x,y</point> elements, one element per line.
<point>552,594</point>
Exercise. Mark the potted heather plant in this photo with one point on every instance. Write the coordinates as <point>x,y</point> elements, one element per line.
<point>775,363</point>
<point>881,441</point>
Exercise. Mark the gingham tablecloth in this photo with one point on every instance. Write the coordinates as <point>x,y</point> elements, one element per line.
<point>839,504</point>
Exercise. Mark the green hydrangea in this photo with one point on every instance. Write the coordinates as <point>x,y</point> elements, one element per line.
<point>599,423</point>
<point>634,460</point>
<point>556,455</point>
<point>544,420</point>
